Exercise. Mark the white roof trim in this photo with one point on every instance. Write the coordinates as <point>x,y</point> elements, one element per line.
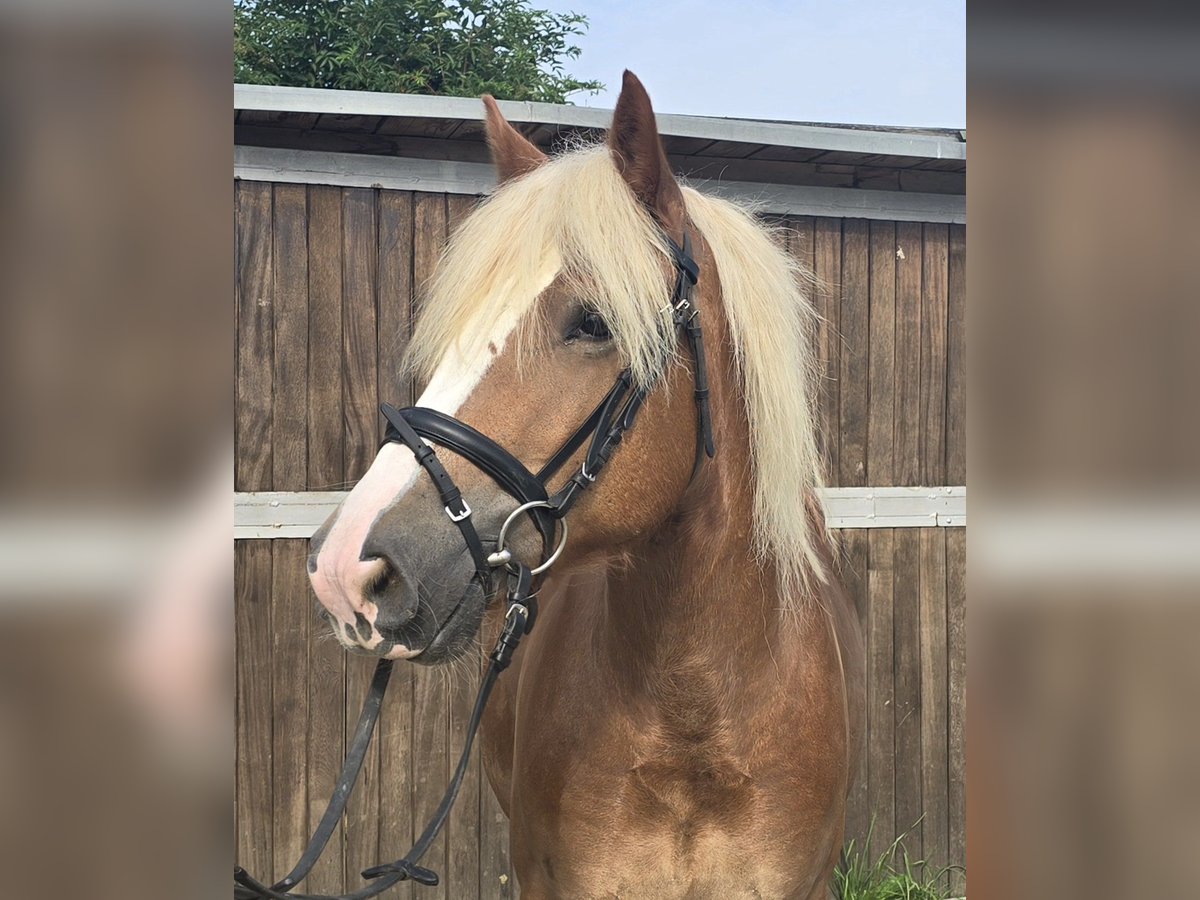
<point>779,134</point>
<point>452,177</point>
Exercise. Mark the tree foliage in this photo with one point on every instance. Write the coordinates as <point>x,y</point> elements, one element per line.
<point>458,47</point>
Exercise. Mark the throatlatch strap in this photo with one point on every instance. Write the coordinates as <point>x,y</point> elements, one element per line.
<point>608,426</point>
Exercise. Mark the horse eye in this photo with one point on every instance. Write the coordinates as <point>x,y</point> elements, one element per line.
<point>591,327</point>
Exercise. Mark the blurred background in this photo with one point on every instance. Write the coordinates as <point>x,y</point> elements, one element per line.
<point>116,348</point>
<point>1084,332</point>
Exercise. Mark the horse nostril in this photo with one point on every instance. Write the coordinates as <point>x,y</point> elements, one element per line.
<point>392,592</point>
<point>384,573</point>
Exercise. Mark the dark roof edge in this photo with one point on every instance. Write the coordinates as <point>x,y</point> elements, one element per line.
<point>923,143</point>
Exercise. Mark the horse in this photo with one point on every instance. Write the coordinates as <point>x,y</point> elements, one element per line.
<point>686,717</point>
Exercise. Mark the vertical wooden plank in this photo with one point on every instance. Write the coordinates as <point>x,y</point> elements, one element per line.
<point>429,239</point>
<point>361,822</point>
<point>956,348</point>
<point>326,440</point>
<point>252,583</point>
<point>255,337</point>
<point>907,454</point>
<point>463,831</point>
<point>881,748</point>
<point>290,610</point>
<point>395,733</point>
<point>852,409</point>
<point>495,865</point>
<point>801,242</point>
<point>290,614</point>
<point>857,580</point>
<point>882,378</point>
<point>933,353</point>
<point>327,703</point>
<point>395,295</point>
<point>956,640</point>
<point>906,575</point>
<point>906,627</point>
<point>431,719</point>
<point>800,234</point>
<point>252,568</point>
<point>290,406</point>
<point>359,412</point>
<point>326,659</point>
<point>827,266</point>
<point>360,239</point>
<point>934,699</point>
<point>881,770</point>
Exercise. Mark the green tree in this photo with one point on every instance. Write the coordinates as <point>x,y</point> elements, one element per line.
<point>458,47</point>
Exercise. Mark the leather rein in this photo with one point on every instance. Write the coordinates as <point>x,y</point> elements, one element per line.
<point>413,426</point>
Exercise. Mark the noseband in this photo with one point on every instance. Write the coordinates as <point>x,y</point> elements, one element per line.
<point>413,426</point>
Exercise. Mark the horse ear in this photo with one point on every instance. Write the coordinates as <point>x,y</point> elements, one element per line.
<point>638,153</point>
<point>512,153</point>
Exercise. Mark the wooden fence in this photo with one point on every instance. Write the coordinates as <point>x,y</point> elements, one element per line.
<point>324,284</point>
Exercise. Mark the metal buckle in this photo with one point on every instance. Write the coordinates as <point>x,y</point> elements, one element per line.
<point>466,511</point>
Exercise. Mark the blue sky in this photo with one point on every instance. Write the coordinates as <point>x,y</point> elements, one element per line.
<point>869,62</point>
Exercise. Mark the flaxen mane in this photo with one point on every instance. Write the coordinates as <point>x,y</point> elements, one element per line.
<point>575,216</point>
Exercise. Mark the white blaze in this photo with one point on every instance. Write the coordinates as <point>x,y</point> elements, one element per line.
<point>341,575</point>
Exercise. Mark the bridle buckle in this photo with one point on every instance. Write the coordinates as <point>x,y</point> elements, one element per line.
<point>466,511</point>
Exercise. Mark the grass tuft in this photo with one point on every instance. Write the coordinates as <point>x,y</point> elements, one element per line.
<point>892,875</point>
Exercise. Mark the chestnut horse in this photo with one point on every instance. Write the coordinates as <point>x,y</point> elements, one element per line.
<point>684,720</point>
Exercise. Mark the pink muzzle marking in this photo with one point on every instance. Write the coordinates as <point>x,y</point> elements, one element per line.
<point>341,576</point>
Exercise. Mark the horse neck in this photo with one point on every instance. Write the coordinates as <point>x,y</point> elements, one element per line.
<point>694,594</point>
<point>696,591</point>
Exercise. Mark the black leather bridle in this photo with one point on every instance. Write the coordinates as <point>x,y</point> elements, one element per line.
<point>603,432</point>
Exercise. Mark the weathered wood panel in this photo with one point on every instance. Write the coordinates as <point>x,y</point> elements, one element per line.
<point>856,548</point>
<point>326,441</point>
<point>956,707</point>
<point>956,348</point>
<point>254,280</point>
<point>906,631</point>
<point>880,771</point>
<point>881,698</point>
<point>827,266</point>
<point>326,284</point>
<point>935,765</point>
<point>290,613</point>
<point>855,352</point>
<point>934,303</point>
